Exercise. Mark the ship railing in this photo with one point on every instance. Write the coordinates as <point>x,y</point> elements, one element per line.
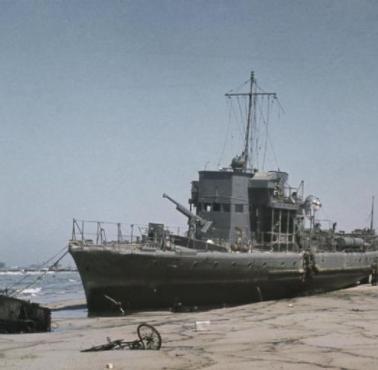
<point>324,224</point>
<point>291,194</point>
<point>276,241</point>
<point>90,232</point>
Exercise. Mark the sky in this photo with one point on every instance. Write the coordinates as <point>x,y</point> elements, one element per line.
<point>105,105</point>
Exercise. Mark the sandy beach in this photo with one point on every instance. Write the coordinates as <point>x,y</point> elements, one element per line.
<point>337,330</point>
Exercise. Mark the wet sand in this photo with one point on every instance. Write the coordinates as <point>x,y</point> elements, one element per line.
<point>337,330</point>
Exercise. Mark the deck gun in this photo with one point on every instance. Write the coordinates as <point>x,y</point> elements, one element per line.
<point>193,220</point>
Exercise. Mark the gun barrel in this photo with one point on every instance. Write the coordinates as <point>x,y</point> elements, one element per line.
<point>169,198</point>
<point>179,206</point>
<point>191,216</point>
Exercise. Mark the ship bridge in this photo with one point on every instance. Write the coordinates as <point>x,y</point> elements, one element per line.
<point>222,197</point>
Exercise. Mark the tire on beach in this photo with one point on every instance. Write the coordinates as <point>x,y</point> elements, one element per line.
<point>149,336</point>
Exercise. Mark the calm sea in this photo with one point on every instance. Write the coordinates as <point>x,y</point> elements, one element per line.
<point>47,288</point>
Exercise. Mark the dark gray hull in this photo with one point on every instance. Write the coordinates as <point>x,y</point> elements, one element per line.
<point>116,279</point>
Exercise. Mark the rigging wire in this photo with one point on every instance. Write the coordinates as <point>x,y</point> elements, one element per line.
<point>54,256</point>
<point>43,264</point>
<point>257,121</point>
<point>229,102</point>
<point>240,109</point>
<point>254,149</point>
<point>266,121</point>
<point>237,121</point>
<point>18,282</point>
<point>268,138</point>
<point>266,131</point>
<point>239,87</point>
<point>245,113</point>
<point>273,152</point>
<point>275,98</point>
<point>259,87</point>
<point>40,277</point>
<point>280,105</point>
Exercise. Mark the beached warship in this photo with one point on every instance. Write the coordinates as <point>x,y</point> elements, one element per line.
<point>20,316</point>
<point>250,237</point>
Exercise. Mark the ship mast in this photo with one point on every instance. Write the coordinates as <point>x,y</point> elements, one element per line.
<point>372,215</point>
<point>252,96</point>
<point>246,143</point>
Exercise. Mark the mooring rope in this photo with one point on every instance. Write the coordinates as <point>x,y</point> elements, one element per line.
<point>13,292</point>
<point>18,282</point>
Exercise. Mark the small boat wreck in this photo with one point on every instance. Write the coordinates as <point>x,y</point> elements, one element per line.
<point>20,316</point>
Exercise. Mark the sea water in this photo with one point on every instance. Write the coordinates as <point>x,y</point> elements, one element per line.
<point>63,288</point>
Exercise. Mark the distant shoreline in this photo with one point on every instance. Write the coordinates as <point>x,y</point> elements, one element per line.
<point>28,269</point>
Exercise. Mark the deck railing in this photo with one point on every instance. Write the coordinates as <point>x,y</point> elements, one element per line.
<point>104,232</point>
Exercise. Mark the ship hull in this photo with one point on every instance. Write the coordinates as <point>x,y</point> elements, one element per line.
<point>117,281</point>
